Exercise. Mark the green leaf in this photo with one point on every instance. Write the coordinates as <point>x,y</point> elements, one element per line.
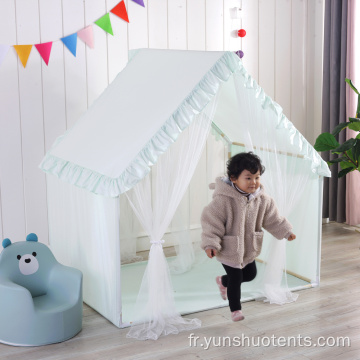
<point>347,164</point>
<point>356,91</point>
<point>358,136</point>
<point>344,147</point>
<point>352,85</point>
<point>350,154</point>
<point>354,119</point>
<point>325,142</point>
<point>344,172</point>
<point>356,151</point>
<point>340,127</point>
<point>355,126</point>
<point>339,159</point>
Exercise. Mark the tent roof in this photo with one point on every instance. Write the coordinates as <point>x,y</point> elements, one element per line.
<point>141,113</point>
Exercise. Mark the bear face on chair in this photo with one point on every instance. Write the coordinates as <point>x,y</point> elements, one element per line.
<point>26,263</point>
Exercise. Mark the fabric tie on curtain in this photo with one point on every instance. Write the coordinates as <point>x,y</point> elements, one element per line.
<point>155,306</point>
<point>157,242</point>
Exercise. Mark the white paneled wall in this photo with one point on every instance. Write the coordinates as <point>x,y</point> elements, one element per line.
<point>283,52</point>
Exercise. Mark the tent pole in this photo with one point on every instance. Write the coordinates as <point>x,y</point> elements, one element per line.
<point>270,150</point>
<point>289,272</point>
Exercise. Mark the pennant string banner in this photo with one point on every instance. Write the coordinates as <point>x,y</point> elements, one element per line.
<point>23,52</point>
<point>87,36</point>
<point>140,2</point>
<point>120,11</point>
<point>44,51</point>
<point>105,24</point>
<point>70,41</point>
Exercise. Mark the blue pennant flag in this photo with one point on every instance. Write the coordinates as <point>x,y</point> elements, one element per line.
<point>70,42</point>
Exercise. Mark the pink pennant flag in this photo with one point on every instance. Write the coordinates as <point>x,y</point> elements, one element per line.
<point>44,51</point>
<point>3,51</point>
<point>87,36</point>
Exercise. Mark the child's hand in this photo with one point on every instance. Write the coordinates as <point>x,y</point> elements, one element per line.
<point>210,253</point>
<point>292,237</point>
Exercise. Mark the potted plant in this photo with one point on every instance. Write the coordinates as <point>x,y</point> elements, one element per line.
<point>349,151</point>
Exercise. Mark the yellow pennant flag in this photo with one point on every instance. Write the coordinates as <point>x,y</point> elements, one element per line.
<point>23,52</point>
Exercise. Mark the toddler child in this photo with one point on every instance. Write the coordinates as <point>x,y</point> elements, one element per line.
<point>232,225</point>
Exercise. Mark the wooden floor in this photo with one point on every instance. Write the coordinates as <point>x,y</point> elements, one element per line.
<point>331,311</point>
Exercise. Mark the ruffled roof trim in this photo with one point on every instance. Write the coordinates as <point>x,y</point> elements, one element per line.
<point>317,164</point>
<point>182,117</point>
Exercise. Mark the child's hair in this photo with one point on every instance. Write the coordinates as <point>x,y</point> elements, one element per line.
<point>244,161</point>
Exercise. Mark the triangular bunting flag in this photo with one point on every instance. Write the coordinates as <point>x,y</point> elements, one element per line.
<point>70,42</point>
<point>87,36</point>
<point>140,2</point>
<point>23,52</point>
<point>105,24</point>
<point>120,11</point>
<point>3,51</point>
<point>44,51</point>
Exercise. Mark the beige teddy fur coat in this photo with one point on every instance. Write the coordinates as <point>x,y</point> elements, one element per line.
<point>233,225</point>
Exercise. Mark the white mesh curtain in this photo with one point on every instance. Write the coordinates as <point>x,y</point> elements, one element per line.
<point>155,203</point>
<point>266,132</point>
<point>187,217</point>
<point>129,230</point>
<point>185,228</point>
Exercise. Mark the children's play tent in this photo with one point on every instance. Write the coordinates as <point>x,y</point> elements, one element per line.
<point>137,166</point>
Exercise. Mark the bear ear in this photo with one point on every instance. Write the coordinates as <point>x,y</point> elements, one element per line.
<point>6,242</point>
<point>32,237</point>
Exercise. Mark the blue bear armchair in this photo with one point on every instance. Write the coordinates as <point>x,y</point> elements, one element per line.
<point>40,299</point>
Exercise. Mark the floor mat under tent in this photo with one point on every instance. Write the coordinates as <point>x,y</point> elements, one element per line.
<point>195,290</point>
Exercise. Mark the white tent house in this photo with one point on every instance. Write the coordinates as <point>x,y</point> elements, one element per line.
<point>136,167</point>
